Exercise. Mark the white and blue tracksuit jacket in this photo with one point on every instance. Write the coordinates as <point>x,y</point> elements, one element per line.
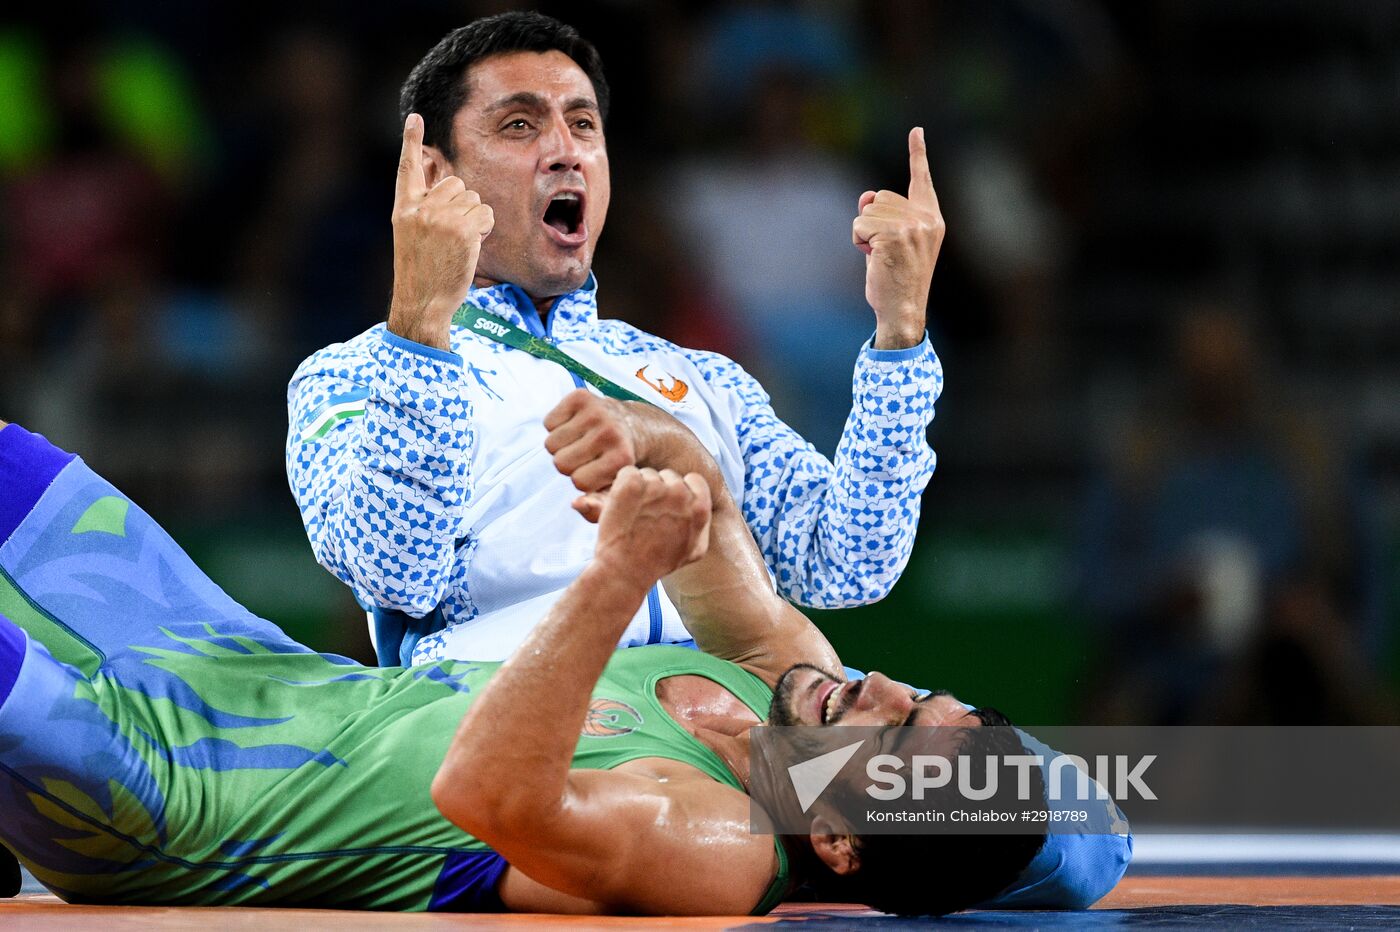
<point>424,484</point>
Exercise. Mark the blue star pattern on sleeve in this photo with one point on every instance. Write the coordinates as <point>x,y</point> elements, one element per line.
<point>382,489</point>
<point>834,535</point>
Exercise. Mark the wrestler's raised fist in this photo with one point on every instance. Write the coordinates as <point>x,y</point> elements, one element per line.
<point>650,523</point>
<point>437,240</point>
<point>900,237</point>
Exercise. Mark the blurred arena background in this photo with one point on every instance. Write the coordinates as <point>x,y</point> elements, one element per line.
<point>1169,447</point>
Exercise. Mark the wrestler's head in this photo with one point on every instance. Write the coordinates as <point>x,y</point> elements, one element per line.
<point>918,874</point>
<point>514,105</point>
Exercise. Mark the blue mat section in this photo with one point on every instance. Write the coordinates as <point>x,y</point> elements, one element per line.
<point>30,885</point>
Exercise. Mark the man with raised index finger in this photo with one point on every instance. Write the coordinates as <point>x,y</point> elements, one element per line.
<point>434,456</point>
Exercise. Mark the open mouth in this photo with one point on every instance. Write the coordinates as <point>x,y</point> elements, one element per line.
<point>564,215</point>
<point>826,703</point>
<point>839,700</point>
<point>830,702</point>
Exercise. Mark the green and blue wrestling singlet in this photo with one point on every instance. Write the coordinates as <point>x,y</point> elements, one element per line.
<point>160,744</point>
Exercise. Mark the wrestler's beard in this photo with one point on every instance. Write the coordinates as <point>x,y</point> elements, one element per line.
<point>782,711</point>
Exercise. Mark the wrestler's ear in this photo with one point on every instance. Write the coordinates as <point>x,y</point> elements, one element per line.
<point>837,850</point>
<point>435,166</point>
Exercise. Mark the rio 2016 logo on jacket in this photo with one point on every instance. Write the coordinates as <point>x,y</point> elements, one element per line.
<point>673,392</point>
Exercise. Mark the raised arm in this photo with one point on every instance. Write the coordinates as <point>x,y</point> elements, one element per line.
<point>379,429</point>
<point>839,534</point>
<point>621,840</point>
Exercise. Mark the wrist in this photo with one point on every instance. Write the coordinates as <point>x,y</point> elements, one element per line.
<point>901,326</point>
<point>642,429</point>
<point>617,577</point>
<point>663,442</point>
<point>897,337</point>
<point>429,324</point>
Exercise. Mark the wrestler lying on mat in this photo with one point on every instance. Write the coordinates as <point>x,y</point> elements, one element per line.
<point>159,744</point>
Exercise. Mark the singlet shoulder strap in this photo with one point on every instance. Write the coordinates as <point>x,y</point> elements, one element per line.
<point>778,887</point>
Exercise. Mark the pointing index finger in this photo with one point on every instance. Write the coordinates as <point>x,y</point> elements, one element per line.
<point>920,181</point>
<point>411,180</point>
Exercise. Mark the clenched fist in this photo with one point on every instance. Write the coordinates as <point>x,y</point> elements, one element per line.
<point>650,523</point>
<point>591,438</point>
<point>437,239</point>
<point>900,237</point>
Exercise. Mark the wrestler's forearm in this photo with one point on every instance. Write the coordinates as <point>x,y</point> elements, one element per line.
<point>727,595</point>
<point>666,443</point>
<point>510,759</point>
<point>727,599</point>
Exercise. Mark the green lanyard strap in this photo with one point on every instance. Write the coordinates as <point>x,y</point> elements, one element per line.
<point>503,331</point>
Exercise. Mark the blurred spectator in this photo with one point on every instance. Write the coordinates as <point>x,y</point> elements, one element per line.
<point>770,220</point>
<point>95,203</point>
<point>104,349</point>
<point>650,279</point>
<point>1003,87</point>
<point>84,233</point>
<point>309,254</point>
<point>1226,551</point>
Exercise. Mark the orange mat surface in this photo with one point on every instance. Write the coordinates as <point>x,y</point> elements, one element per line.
<point>40,912</point>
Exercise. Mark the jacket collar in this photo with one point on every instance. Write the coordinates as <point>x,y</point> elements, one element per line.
<point>572,314</point>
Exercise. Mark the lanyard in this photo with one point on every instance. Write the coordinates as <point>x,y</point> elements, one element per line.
<point>503,331</point>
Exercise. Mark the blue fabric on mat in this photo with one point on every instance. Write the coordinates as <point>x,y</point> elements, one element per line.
<point>28,464</point>
<point>11,656</point>
<point>467,883</point>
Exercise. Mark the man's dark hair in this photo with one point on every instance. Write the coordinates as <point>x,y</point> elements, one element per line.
<point>437,86</point>
<point>935,874</point>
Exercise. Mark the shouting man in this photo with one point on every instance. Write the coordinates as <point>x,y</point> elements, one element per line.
<point>427,475</point>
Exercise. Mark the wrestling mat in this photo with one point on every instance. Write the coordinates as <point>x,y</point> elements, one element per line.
<point>1176,882</point>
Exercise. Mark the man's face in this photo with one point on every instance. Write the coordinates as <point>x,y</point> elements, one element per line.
<point>806,695</point>
<point>529,141</point>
